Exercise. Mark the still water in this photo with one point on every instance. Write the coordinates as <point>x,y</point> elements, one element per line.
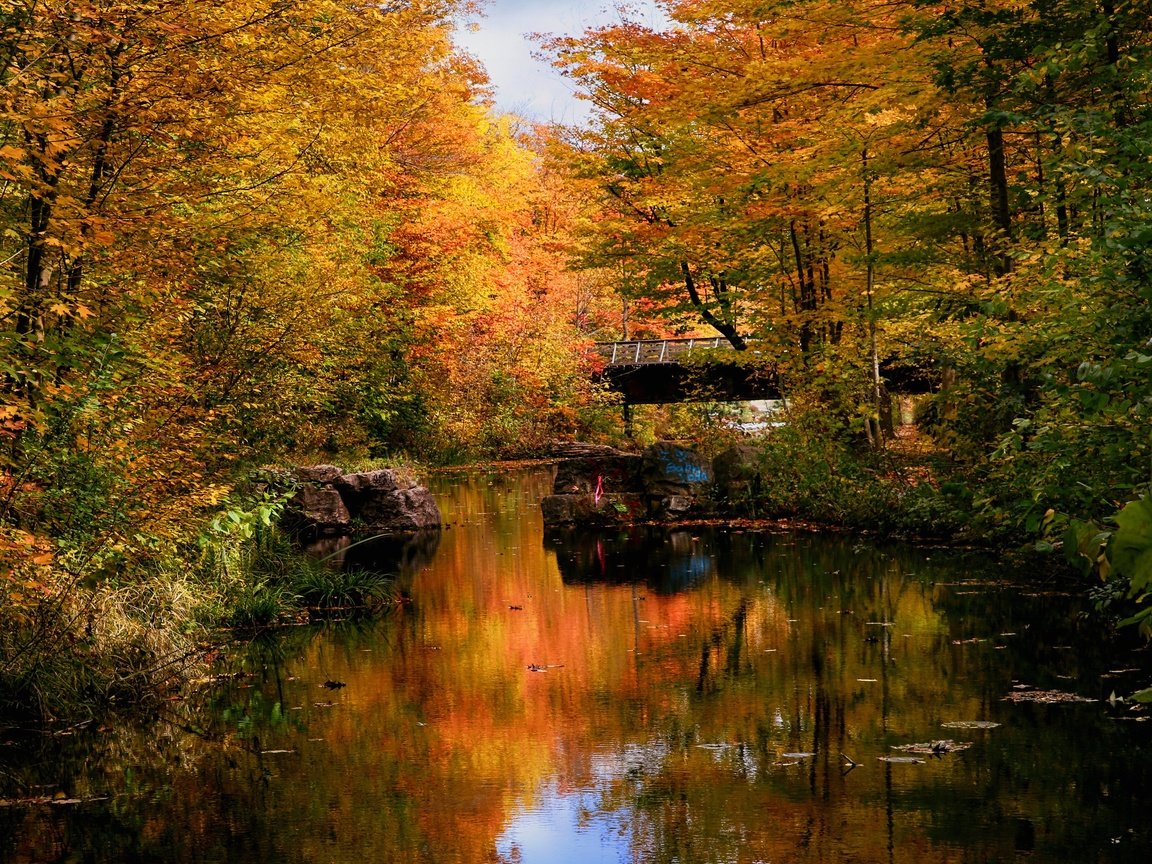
<point>663,696</point>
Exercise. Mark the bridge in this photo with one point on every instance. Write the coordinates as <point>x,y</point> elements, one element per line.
<point>654,371</point>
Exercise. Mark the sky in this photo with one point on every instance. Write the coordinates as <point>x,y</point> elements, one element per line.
<point>524,85</point>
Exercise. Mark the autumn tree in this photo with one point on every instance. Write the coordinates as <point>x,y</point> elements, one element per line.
<point>739,152</point>
<point>192,197</point>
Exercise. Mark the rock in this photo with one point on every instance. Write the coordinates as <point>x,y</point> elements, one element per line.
<point>671,470</point>
<point>371,483</point>
<point>560,509</point>
<point>621,508</point>
<point>674,507</point>
<point>331,503</point>
<point>575,449</point>
<point>318,474</point>
<point>585,510</point>
<point>410,509</point>
<point>742,463</point>
<point>420,508</point>
<point>617,472</point>
<point>320,511</point>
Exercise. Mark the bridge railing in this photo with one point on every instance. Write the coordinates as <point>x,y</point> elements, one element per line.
<point>638,352</point>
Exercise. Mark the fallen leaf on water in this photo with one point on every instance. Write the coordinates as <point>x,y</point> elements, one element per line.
<point>969,724</point>
<point>1044,696</point>
<point>934,748</point>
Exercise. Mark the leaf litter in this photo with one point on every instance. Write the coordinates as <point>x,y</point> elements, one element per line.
<point>1047,697</point>
<point>934,748</point>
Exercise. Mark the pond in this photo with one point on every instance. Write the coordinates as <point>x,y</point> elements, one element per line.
<point>699,695</point>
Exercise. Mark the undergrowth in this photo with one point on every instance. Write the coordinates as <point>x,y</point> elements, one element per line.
<point>801,471</point>
<point>74,645</point>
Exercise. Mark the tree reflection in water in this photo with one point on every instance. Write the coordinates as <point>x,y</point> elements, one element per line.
<point>680,670</point>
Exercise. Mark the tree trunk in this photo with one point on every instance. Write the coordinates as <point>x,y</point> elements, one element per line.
<point>1001,212</point>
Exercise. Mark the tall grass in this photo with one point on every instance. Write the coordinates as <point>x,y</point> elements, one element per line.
<point>264,581</point>
<point>76,652</point>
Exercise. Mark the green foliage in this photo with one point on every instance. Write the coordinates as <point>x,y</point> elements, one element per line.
<point>260,579</point>
<point>805,472</point>
<point>326,590</point>
<point>1130,558</point>
<point>1130,550</point>
<point>255,605</point>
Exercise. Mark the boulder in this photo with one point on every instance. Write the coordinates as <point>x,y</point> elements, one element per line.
<point>561,509</point>
<point>410,509</point>
<point>318,474</point>
<point>621,508</point>
<point>320,511</point>
<point>742,462</point>
<point>673,507</point>
<point>670,470</point>
<point>330,503</point>
<point>611,473</point>
<point>612,509</point>
<point>420,508</point>
<point>367,484</point>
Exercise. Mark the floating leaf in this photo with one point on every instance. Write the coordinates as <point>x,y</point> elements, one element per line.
<point>1045,696</point>
<point>935,748</point>
<point>969,724</point>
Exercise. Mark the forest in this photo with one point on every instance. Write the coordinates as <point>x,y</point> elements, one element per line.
<point>256,233</point>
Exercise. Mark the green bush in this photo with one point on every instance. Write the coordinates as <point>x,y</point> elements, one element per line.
<point>808,471</point>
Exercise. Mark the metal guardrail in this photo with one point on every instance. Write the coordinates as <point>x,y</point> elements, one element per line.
<point>640,352</point>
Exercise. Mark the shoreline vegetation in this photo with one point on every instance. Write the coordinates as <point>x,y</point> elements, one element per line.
<point>78,651</point>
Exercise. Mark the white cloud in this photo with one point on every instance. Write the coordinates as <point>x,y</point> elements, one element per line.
<point>523,84</point>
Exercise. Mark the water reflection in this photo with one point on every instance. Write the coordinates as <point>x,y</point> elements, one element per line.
<point>667,561</point>
<point>667,697</point>
<point>399,554</point>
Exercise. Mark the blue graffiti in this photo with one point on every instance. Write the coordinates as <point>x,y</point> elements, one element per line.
<point>679,465</point>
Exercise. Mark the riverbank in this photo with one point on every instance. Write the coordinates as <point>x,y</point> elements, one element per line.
<point>74,650</point>
<point>905,490</point>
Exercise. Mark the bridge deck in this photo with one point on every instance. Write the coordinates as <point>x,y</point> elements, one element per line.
<point>650,371</point>
<point>640,352</point>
